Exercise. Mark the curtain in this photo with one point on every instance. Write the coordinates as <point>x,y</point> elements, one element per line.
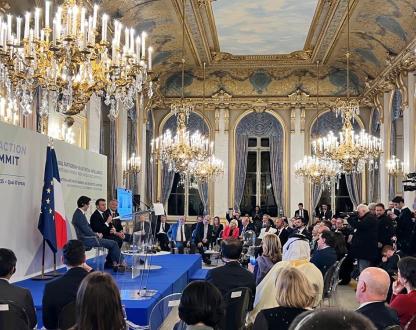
<point>203,193</point>
<point>240,169</point>
<point>354,187</point>
<point>276,161</point>
<point>316,195</point>
<point>167,182</point>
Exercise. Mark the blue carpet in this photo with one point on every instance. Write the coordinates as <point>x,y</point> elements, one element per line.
<point>175,274</point>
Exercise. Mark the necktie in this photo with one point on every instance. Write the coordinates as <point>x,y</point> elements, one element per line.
<point>301,213</point>
<point>182,233</point>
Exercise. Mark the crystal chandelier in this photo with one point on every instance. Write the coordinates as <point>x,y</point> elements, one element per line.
<point>67,57</point>
<point>317,170</point>
<point>351,150</point>
<point>206,170</point>
<point>395,167</point>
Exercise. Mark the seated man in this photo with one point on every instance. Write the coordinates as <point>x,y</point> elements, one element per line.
<point>371,293</point>
<point>180,235</point>
<point>246,225</point>
<point>300,228</point>
<point>10,292</point>
<point>162,228</point>
<point>118,235</point>
<point>203,236</point>
<point>92,239</point>
<point>389,260</point>
<point>232,275</point>
<point>325,255</point>
<point>143,228</point>
<point>63,290</point>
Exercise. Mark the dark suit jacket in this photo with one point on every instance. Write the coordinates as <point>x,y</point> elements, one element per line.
<point>199,233</point>
<point>365,237</point>
<point>283,236</point>
<point>404,228</point>
<point>304,232</point>
<point>21,297</point>
<point>381,315</point>
<point>174,230</point>
<point>385,230</point>
<point>59,293</point>
<point>167,226</point>
<point>116,223</point>
<point>305,214</point>
<point>250,226</point>
<point>97,222</point>
<point>324,259</point>
<point>231,276</point>
<point>327,214</point>
<point>276,318</point>
<point>81,225</point>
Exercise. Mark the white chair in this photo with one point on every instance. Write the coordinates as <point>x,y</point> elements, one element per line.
<point>165,312</point>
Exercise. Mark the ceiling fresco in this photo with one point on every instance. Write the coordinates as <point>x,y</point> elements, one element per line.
<point>247,27</point>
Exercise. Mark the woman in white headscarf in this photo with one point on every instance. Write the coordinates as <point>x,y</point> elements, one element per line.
<point>296,253</point>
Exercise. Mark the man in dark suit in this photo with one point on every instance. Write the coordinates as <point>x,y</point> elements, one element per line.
<point>404,229</point>
<point>325,256</point>
<point>324,213</point>
<point>10,292</point>
<point>63,290</point>
<point>119,235</point>
<point>364,245</point>
<point>386,229</point>
<point>89,237</point>
<point>162,228</point>
<point>300,228</point>
<point>246,225</point>
<point>180,235</point>
<point>257,213</point>
<point>302,213</point>
<point>232,275</point>
<point>392,209</point>
<point>143,228</point>
<point>282,232</point>
<point>371,293</point>
<point>203,236</point>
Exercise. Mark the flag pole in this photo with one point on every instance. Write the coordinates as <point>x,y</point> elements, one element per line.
<point>54,273</point>
<point>42,276</point>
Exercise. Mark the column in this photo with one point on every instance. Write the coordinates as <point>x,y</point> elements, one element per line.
<point>409,136</point>
<point>221,184</point>
<point>385,129</point>
<point>94,124</point>
<point>141,184</point>
<point>121,146</point>
<point>297,152</point>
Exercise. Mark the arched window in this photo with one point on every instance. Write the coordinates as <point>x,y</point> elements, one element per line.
<point>259,164</point>
<point>183,197</point>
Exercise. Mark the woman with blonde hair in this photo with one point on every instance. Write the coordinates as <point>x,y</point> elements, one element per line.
<point>272,253</point>
<point>231,230</point>
<point>294,295</point>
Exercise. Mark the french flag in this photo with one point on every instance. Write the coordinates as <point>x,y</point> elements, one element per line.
<point>52,220</point>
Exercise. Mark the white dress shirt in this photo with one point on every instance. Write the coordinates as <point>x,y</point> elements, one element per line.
<point>162,228</point>
<point>178,234</point>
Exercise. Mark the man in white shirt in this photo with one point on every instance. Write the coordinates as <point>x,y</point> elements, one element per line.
<point>162,228</point>
<point>371,293</point>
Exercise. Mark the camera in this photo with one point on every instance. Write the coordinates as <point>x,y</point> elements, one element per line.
<point>410,183</point>
<point>345,215</point>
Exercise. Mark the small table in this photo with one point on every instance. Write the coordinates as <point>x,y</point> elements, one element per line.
<point>213,253</point>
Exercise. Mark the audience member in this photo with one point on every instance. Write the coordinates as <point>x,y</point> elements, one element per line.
<point>405,303</point>
<point>201,306</point>
<point>302,213</point>
<point>246,226</point>
<point>330,319</point>
<point>294,295</point>
<point>282,232</point>
<point>199,219</point>
<point>67,285</point>
<point>9,292</point>
<point>385,226</point>
<point>300,228</point>
<point>372,288</point>
<point>217,228</point>
<point>364,242</point>
<point>324,213</point>
<point>98,304</point>
<point>296,245</point>
<point>162,229</point>
<point>267,227</point>
<point>372,208</point>
<point>404,229</point>
<point>389,260</point>
<point>180,235</point>
<point>231,230</point>
<point>257,213</point>
<point>92,239</point>
<point>143,228</point>
<point>203,236</point>
<point>392,209</point>
<point>271,255</point>
<point>232,275</point>
<point>325,256</point>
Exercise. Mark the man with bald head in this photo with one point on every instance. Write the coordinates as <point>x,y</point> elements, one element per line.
<point>372,288</point>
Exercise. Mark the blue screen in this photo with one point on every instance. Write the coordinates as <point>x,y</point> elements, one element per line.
<point>125,203</point>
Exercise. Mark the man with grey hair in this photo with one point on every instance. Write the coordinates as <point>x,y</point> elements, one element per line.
<point>365,237</point>
<point>372,208</point>
<point>372,288</point>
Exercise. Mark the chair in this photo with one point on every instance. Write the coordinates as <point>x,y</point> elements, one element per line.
<point>328,278</point>
<point>99,250</point>
<point>411,325</point>
<point>12,316</point>
<point>67,316</point>
<point>237,304</point>
<point>335,277</point>
<point>165,311</point>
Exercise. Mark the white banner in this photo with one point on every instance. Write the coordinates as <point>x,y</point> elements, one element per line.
<point>22,164</point>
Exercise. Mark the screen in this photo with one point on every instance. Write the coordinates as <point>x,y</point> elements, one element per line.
<point>125,203</point>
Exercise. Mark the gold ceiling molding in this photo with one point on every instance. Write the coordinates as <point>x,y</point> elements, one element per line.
<point>298,97</point>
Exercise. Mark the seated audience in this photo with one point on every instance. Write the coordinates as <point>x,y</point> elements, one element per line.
<point>203,236</point>
<point>92,239</point>
<point>257,213</point>
<point>405,303</point>
<point>162,228</point>
<point>294,295</point>
<point>271,255</point>
<point>9,292</point>
<point>325,256</point>
<point>231,230</point>
<point>246,225</point>
<point>282,232</point>
<point>300,228</point>
<point>296,253</point>
<point>330,319</point>
<point>340,245</point>
<point>217,228</point>
<point>324,213</point>
<point>232,275</point>
<point>67,285</point>
<point>201,306</point>
<point>389,260</point>
<point>98,304</point>
<point>267,227</point>
<point>143,228</point>
<point>199,219</point>
<point>372,288</point>
<point>180,235</point>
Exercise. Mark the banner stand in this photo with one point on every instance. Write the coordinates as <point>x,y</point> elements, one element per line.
<point>43,276</point>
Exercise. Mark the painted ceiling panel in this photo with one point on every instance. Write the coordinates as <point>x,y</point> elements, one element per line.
<point>247,27</point>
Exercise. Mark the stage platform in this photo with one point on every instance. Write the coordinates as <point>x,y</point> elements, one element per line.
<point>176,272</point>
